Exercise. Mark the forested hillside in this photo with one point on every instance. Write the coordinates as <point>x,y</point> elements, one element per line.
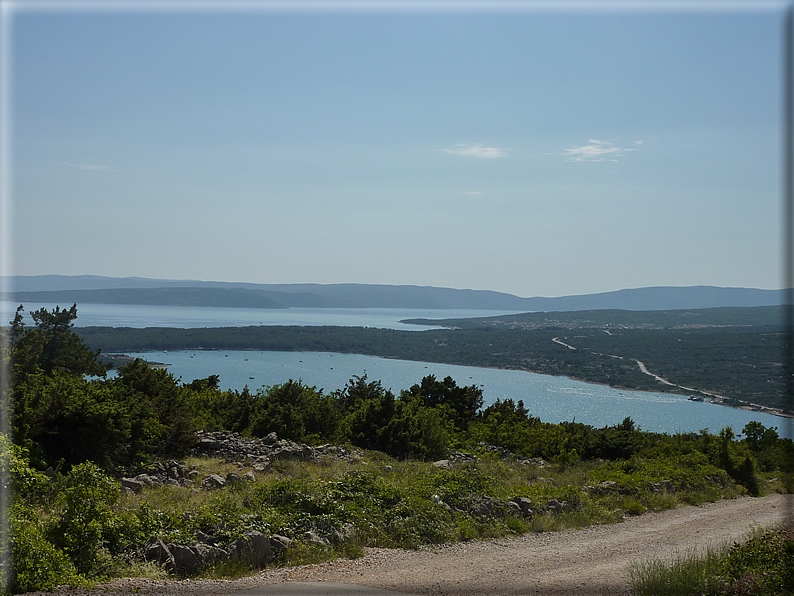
<point>740,361</point>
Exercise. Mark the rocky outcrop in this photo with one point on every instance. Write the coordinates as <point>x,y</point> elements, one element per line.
<point>609,487</point>
<point>259,453</point>
<point>168,473</point>
<point>255,453</point>
<point>488,507</point>
<point>520,507</point>
<point>253,548</point>
<point>506,453</point>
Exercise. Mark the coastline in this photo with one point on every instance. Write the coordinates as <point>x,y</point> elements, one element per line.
<point>711,398</point>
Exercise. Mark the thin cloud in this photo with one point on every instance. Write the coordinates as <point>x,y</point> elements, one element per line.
<point>473,192</point>
<point>477,151</point>
<point>597,151</point>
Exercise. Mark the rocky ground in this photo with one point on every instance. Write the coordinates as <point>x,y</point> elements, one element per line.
<point>591,561</point>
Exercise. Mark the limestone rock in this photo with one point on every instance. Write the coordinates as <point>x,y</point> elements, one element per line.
<point>313,538</point>
<point>252,547</point>
<point>233,479</point>
<point>207,554</point>
<point>488,507</point>
<point>525,505</point>
<point>157,551</point>
<point>279,543</point>
<point>213,481</point>
<point>185,560</point>
<point>132,484</point>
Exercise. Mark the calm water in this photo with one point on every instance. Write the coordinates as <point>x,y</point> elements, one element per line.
<point>552,399</point>
<point>133,315</point>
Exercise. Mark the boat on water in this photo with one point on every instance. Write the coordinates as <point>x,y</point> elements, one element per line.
<point>695,398</point>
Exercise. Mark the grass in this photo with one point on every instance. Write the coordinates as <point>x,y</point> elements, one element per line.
<point>376,501</point>
<point>762,564</point>
<point>406,504</point>
<point>684,574</point>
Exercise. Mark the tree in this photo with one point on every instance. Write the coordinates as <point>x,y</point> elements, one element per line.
<point>162,421</point>
<point>416,431</point>
<point>297,412</point>
<point>39,355</point>
<point>52,345</point>
<point>463,402</point>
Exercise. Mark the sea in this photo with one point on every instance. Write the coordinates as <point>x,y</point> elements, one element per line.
<point>550,398</point>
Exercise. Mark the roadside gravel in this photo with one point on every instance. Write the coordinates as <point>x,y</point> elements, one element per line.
<point>590,561</point>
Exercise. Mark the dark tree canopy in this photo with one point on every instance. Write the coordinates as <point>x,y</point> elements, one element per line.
<point>52,344</point>
<point>464,402</point>
<point>48,362</point>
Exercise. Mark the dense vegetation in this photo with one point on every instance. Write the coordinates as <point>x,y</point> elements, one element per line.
<point>72,525</point>
<point>737,353</point>
<point>730,316</point>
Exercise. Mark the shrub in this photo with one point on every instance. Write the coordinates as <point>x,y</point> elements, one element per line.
<point>762,565</point>
<point>37,563</point>
<point>86,518</point>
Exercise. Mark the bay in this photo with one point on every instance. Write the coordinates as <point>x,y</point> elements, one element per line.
<point>140,316</point>
<point>550,398</point>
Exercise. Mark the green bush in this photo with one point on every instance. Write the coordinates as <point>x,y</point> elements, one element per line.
<point>37,563</point>
<point>86,519</point>
<point>763,565</point>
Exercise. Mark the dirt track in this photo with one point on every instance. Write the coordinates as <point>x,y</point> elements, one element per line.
<point>586,562</point>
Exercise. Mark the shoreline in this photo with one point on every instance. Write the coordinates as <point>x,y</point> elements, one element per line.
<point>684,391</point>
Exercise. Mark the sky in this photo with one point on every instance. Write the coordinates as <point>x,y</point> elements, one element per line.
<point>531,150</point>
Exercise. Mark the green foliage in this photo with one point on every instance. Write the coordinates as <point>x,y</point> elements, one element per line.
<point>456,487</point>
<point>86,519</point>
<point>690,574</point>
<point>85,421</point>
<point>370,408</point>
<point>462,403</point>
<point>39,354</point>
<point>761,565</point>
<point>37,563</point>
<point>764,564</point>
<point>413,426</point>
<point>17,474</point>
<point>159,408</point>
<point>297,412</point>
<point>213,409</point>
<point>770,451</point>
<point>62,417</point>
<point>52,345</point>
<point>416,431</point>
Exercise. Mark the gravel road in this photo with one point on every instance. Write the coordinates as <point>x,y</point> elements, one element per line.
<point>586,562</point>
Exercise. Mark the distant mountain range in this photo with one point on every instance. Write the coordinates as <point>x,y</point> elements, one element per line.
<point>66,290</point>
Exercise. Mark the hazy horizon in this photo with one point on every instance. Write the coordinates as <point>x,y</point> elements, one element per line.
<point>530,150</point>
<point>241,282</point>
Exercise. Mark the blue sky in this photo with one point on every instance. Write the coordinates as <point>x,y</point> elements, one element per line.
<point>529,151</point>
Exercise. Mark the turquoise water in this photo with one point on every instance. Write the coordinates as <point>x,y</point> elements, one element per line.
<point>552,399</point>
<point>134,315</point>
